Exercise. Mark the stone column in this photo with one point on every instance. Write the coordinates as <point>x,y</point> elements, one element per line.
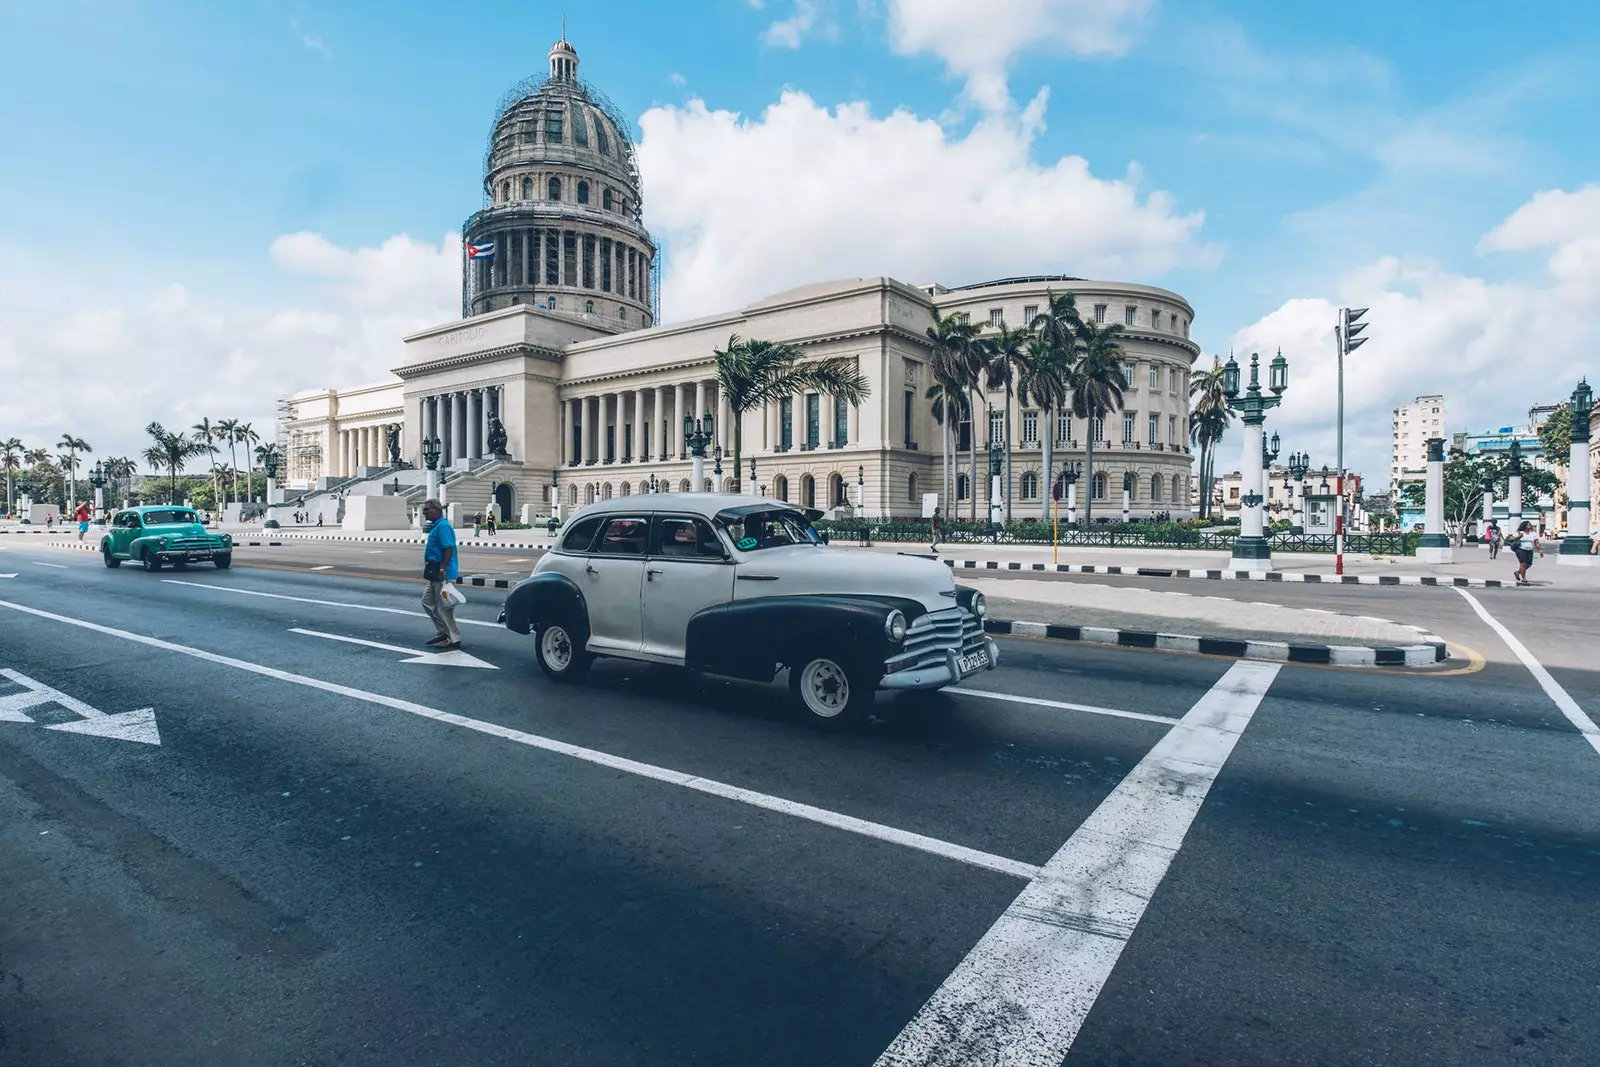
<point>663,419</point>
<point>461,427</point>
<point>853,425</point>
<point>580,426</point>
<point>699,406</point>
<point>1435,545</point>
<point>640,453</point>
<point>1576,545</point>
<point>592,428</point>
<point>475,434</point>
<point>681,448</point>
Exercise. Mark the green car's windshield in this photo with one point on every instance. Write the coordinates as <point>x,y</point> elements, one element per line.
<point>770,529</point>
<point>161,518</point>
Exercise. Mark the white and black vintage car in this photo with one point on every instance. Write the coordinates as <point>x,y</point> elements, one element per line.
<point>743,587</point>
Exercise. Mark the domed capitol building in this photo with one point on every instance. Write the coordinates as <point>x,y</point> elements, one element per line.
<point>559,380</point>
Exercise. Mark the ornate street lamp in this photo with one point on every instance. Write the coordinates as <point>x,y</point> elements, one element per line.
<point>1576,546</point>
<point>97,478</point>
<point>1299,463</point>
<point>432,449</point>
<point>1269,456</point>
<point>1127,493</point>
<point>697,434</point>
<point>655,486</point>
<point>1514,495</point>
<point>1071,471</point>
<point>996,494</point>
<point>753,474</point>
<point>1252,551</point>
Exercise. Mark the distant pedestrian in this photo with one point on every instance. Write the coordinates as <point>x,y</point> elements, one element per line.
<point>933,525</point>
<point>49,522</point>
<point>82,515</point>
<point>477,523</point>
<point>489,523</point>
<point>1524,543</point>
<point>319,520</point>
<point>1493,537</point>
<point>439,566</point>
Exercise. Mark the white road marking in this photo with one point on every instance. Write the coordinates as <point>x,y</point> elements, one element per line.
<point>456,658</point>
<point>324,603</point>
<point>52,566</point>
<point>12,575</point>
<point>849,823</point>
<point>374,551</point>
<point>137,725</point>
<point>1552,688</point>
<point>323,567</point>
<point>1021,995</point>
<point>1012,698</point>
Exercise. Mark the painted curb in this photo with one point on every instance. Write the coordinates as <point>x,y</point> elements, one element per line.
<point>1229,576</point>
<point>1418,655</point>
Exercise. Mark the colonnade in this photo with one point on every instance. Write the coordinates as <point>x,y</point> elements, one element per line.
<point>361,446</point>
<point>460,420</point>
<point>577,259</point>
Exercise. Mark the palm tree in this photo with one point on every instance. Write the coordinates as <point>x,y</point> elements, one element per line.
<point>35,456</point>
<point>952,339</point>
<point>261,454</point>
<point>1005,361</point>
<point>1207,423</point>
<point>117,469</point>
<point>247,436</point>
<point>1054,371</point>
<point>227,430</point>
<point>752,373</point>
<point>204,434</point>
<point>172,451</point>
<point>11,459</point>
<point>73,445</point>
<point>1099,384</point>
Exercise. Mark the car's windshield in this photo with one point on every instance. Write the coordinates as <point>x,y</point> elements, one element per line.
<point>770,529</point>
<point>160,518</point>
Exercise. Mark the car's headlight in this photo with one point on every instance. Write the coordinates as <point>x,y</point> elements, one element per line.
<point>161,542</point>
<point>980,607</point>
<point>227,539</point>
<point>894,627</point>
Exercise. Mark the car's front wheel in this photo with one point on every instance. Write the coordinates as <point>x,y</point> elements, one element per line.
<point>111,561</point>
<point>223,560</point>
<point>560,651</point>
<point>151,561</point>
<point>831,688</point>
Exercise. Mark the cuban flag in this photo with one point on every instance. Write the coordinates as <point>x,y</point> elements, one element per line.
<point>483,251</point>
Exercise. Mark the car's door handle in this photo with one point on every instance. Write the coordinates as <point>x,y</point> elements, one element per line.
<point>589,568</point>
<point>650,573</point>
<point>758,577</point>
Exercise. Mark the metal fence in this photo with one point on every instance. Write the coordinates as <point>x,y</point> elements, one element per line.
<point>1120,535</point>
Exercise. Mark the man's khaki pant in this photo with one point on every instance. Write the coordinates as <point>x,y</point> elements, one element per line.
<point>442,613</point>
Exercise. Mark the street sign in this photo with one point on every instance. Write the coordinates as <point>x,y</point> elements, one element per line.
<point>139,726</point>
<point>456,658</point>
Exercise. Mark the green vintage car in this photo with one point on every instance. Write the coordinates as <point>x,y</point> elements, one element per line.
<point>161,534</point>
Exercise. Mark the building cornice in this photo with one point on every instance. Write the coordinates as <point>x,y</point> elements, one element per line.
<point>467,359</point>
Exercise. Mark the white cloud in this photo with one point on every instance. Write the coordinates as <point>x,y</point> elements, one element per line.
<point>787,33</point>
<point>978,41</point>
<point>1494,349</point>
<point>311,42</point>
<point>676,79</point>
<point>105,370</point>
<point>750,207</point>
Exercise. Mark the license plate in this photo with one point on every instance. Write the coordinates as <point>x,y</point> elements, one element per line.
<point>976,661</point>
<point>199,555</point>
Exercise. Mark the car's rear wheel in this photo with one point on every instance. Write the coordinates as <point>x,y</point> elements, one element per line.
<point>560,652</point>
<point>151,561</point>
<point>831,689</point>
<point>111,561</point>
<point>223,560</point>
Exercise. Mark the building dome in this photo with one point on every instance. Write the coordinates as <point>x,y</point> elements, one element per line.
<point>561,190</point>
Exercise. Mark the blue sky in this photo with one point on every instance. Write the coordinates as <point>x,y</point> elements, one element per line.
<point>1301,145</point>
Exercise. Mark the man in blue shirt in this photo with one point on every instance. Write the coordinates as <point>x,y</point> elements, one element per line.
<point>439,566</point>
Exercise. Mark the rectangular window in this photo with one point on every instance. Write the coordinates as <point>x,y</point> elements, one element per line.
<point>627,444</point>
<point>1128,315</point>
<point>910,400</point>
<point>569,257</point>
<point>964,436</point>
<point>588,261</point>
<point>1155,376</point>
<point>1029,313</point>
<point>1127,427</point>
<point>1099,313</point>
<point>552,127</point>
<point>644,442</point>
<point>1172,430</point>
<point>1155,318</point>
<point>515,251</point>
<point>813,418</point>
<point>1030,427</point>
<point>785,423</point>
<point>1154,429</point>
<point>996,316</point>
<point>605,264</point>
<point>1064,426</point>
<point>841,422</point>
<point>1097,428</point>
<point>633,275</point>
<point>552,260</point>
<point>1177,380</point>
<point>997,425</point>
<point>611,444</point>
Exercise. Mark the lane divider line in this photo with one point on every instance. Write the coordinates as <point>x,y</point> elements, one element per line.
<point>1020,997</point>
<point>324,603</point>
<point>1552,688</point>
<point>849,823</point>
<point>1012,698</point>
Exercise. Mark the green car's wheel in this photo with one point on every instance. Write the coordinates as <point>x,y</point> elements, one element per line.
<point>223,560</point>
<point>111,561</point>
<point>151,561</point>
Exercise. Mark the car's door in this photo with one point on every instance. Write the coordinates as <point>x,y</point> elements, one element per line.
<point>610,577</point>
<point>124,531</point>
<point>688,570</point>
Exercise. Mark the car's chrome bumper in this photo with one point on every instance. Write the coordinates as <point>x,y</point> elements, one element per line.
<point>937,676</point>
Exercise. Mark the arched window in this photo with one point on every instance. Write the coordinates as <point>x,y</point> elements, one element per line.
<point>622,314</point>
<point>605,199</point>
<point>780,488</point>
<point>808,491</point>
<point>836,493</point>
<point>605,491</point>
<point>1155,488</point>
<point>580,128</point>
<point>911,488</point>
<point>962,488</point>
<point>600,139</point>
<point>708,487</point>
<point>588,493</point>
<point>554,189</point>
<point>574,496</point>
<point>626,491</point>
<point>1030,485</point>
<point>527,188</point>
<point>683,486</point>
<point>583,192</point>
<point>1100,485</point>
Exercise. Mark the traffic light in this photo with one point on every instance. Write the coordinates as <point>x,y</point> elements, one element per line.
<point>1350,327</point>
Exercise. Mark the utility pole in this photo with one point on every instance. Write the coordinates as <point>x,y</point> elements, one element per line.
<point>1346,337</point>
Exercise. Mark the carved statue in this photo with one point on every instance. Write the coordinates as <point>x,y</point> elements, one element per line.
<point>497,436</point>
<point>394,446</point>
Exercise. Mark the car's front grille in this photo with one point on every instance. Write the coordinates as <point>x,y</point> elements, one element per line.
<point>186,544</point>
<point>930,636</point>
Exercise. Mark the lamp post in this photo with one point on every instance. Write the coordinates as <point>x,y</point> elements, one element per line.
<point>716,469</point>
<point>1070,473</point>
<point>1299,463</point>
<point>432,449</point>
<point>1252,551</point>
<point>1576,545</point>
<point>97,478</point>
<point>755,491</point>
<point>270,462</point>
<point>1514,496</point>
<point>996,504</point>
<point>1127,492</point>
<point>1488,502</point>
<point>696,435</point>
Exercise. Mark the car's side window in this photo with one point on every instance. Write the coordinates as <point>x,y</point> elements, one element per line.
<point>581,536</point>
<point>624,537</point>
<point>685,538</point>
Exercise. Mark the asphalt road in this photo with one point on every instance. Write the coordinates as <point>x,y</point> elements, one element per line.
<point>334,855</point>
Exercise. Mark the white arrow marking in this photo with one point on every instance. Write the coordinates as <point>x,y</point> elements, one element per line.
<point>137,725</point>
<point>7,575</point>
<point>456,658</point>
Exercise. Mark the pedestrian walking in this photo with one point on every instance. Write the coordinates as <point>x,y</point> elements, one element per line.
<point>933,525</point>
<point>50,523</point>
<point>82,515</point>
<point>1524,543</point>
<point>489,523</point>
<point>1493,537</point>
<point>319,520</point>
<point>439,566</point>
<point>477,522</point>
